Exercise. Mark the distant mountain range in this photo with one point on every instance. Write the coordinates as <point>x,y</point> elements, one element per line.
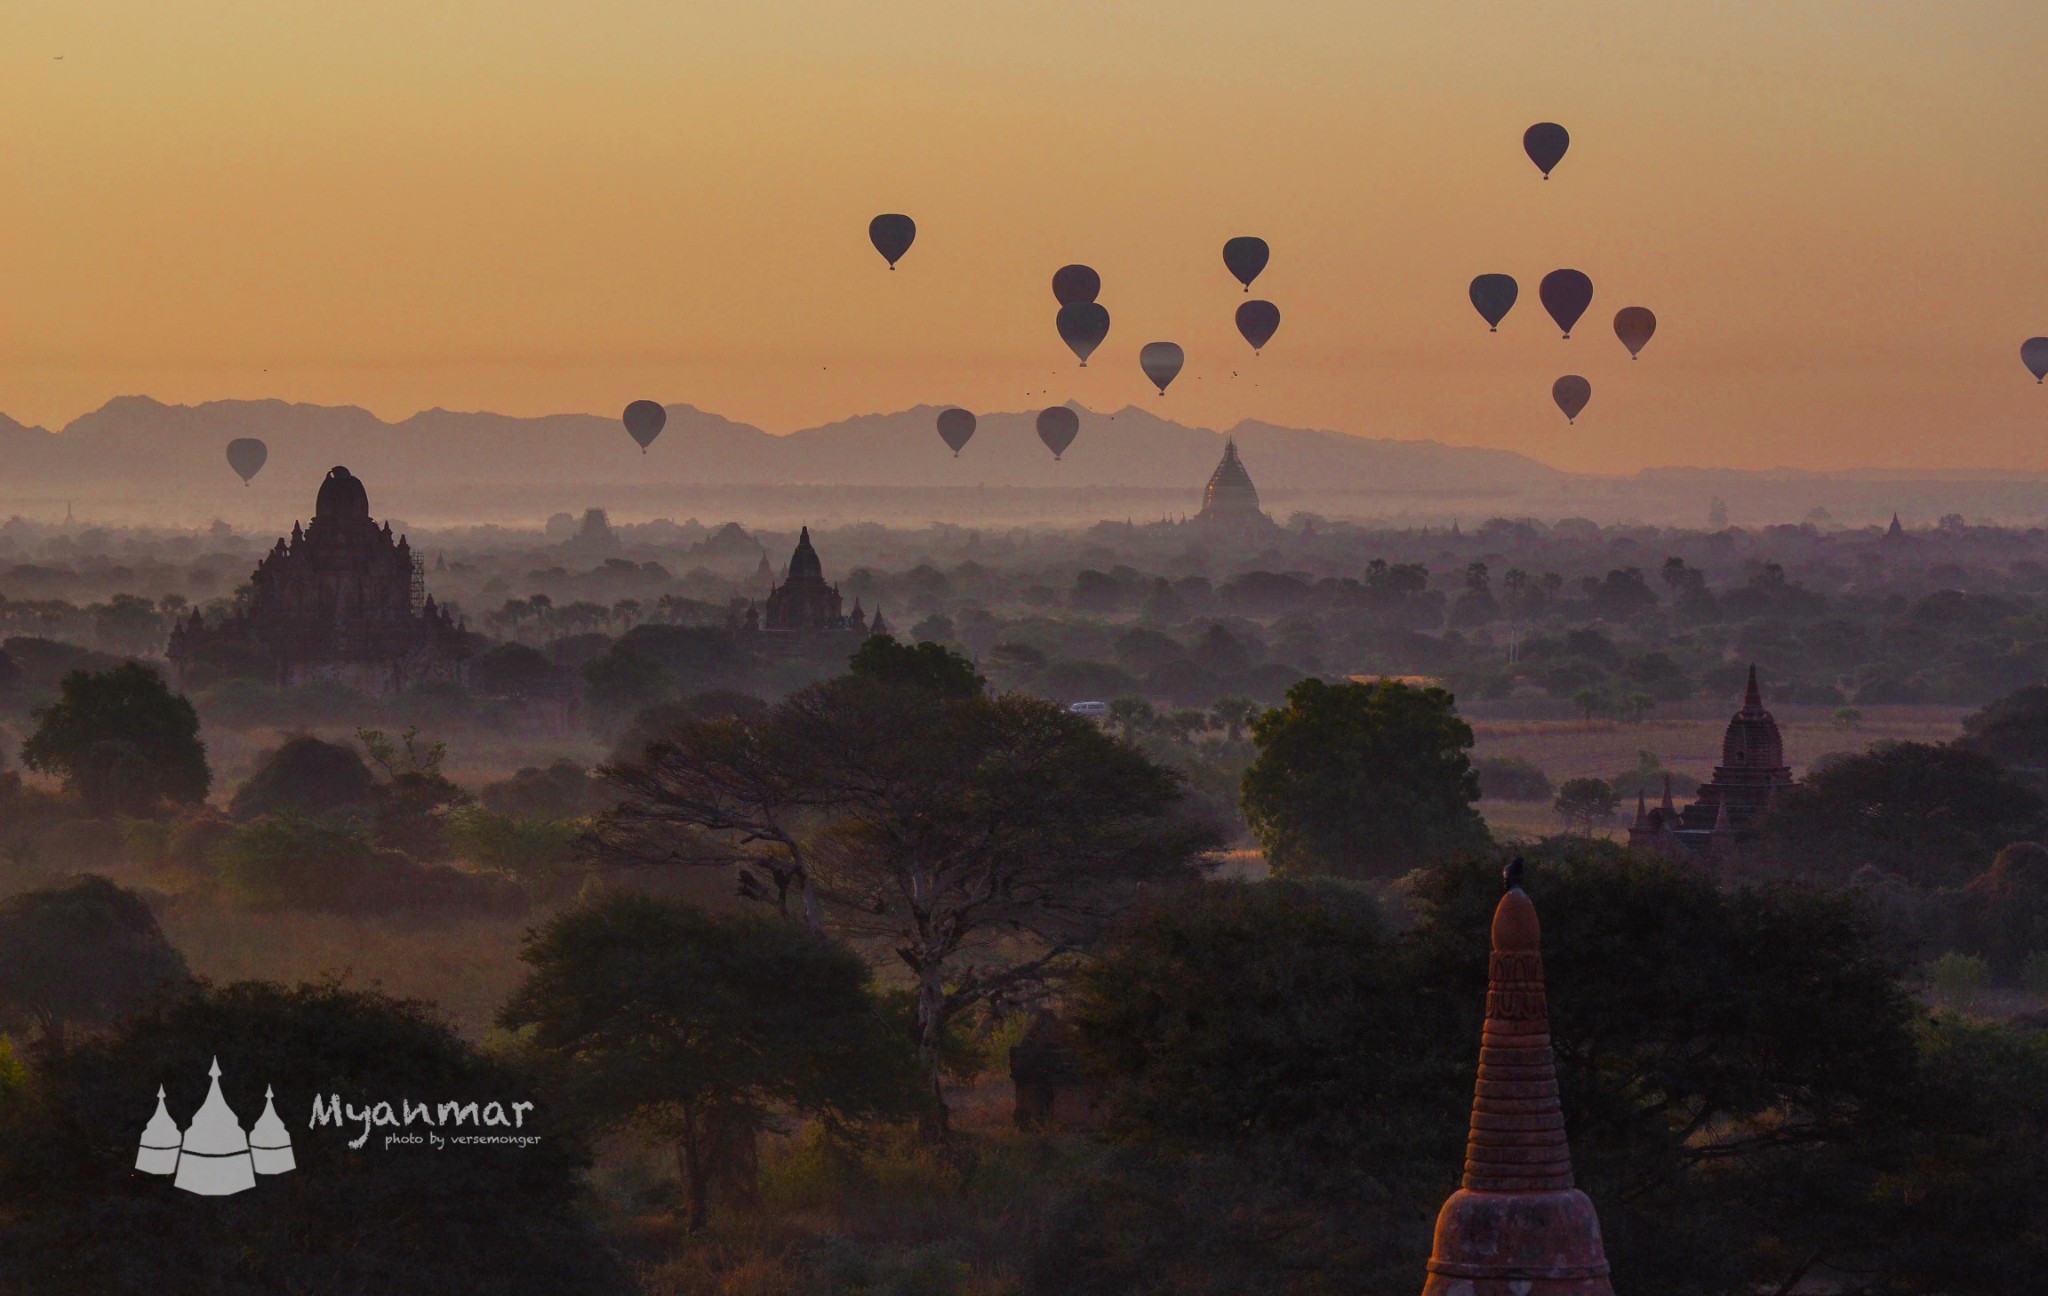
<point>139,458</point>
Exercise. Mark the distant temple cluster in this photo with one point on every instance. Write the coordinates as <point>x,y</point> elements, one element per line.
<point>340,600</point>
<point>802,606</point>
<point>1751,774</point>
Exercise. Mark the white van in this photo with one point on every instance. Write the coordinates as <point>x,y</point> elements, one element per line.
<point>1093,710</point>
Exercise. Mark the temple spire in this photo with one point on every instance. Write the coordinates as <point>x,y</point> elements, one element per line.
<point>1517,1227</point>
<point>1752,697</point>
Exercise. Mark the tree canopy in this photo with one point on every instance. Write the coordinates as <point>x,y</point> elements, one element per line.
<point>1362,780</point>
<point>982,841</point>
<point>699,1028</point>
<point>1934,815</point>
<point>305,775</point>
<point>122,738</point>
<point>84,952</point>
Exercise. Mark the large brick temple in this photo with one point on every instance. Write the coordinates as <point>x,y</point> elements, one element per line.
<point>342,599</point>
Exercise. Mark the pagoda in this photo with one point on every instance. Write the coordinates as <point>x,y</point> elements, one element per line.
<point>1230,503</point>
<point>1518,1226</point>
<point>1750,776</point>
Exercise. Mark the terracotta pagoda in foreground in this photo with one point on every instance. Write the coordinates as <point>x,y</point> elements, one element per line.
<point>1518,1227</point>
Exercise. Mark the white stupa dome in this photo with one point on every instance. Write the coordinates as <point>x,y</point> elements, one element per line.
<point>270,1143</point>
<point>160,1141</point>
<point>214,1160</point>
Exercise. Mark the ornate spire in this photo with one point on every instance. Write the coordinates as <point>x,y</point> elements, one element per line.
<point>1752,696</point>
<point>1518,1227</point>
<point>1642,809</point>
<point>1667,794</point>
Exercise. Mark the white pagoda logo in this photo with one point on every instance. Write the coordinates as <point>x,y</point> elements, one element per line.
<point>214,1157</point>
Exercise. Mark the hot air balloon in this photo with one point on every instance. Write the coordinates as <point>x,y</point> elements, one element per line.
<point>1058,427</point>
<point>1161,362</point>
<point>1634,325</point>
<point>955,427</point>
<point>2034,355</point>
<point>1493,296</point>
<point>1257,320</point>
<point>644,420</point>
<point>1571,393</point>
<point>892,234</point>
<point>1545,143</point>
<point>1082,327</point>
<point>1246,256</point>
<point>1566,294</point>
<point>246,456</point>
<point>1075,283</point>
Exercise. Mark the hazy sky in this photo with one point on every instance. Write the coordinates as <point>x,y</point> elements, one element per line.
<point>1839,212</point>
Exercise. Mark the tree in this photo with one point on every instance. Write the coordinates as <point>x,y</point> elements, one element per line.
<point>982,841</point>
<point>1931,814</point>
<point>1232,714</point>
<point>1590,701</point>
<point>1131,716</point>
<point>1583,802</point>
<point>414,796</point>
<point>703,1028</point>
<point>122,738</point>
<point>305,776</point>
<point>511,670</point>
<point>924,665</point>
<point>620,684</point>
<point>85,952</point>
<point>1362,779</point>
<point>399,1221</point>
<point>2012,731</point>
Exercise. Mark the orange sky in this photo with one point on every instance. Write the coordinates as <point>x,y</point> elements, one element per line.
<point>1839,212</point>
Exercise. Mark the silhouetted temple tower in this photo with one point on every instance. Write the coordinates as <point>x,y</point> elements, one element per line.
<point>1518,1226</point>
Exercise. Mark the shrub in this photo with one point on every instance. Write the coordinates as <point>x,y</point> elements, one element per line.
<point>1511,778</point>
<point>289,862</point>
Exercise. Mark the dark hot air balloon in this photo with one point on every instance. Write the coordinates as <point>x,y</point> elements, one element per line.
<point>1493,296</point>
<point>1571,393</point>
<point>1058,427</point>
<point>1082,327</point>
<point>1257,320</point>
<point>1545,143</point>
<point>1075,283</point>
<point>246,456</point>
<point>1246,256</point>
<point>1634,325</point>
<point>1161,362</point>
<point>892,234</point>
<point>644,420</point>
<point>1566,294</point>
<point>955,427</point>
<point>2034,355</point>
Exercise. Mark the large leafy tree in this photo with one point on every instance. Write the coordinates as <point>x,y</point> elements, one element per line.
<point>1934,815</point>
<point>654,1014</point>
<point>463,1220</point>
<point>88,952</point>
<point>122,738</point>
<point>977,842</point>
<point>1362,780</point>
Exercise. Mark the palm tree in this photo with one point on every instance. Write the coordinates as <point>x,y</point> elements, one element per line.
<point>1232,714</point>
<point>1128,714</point>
